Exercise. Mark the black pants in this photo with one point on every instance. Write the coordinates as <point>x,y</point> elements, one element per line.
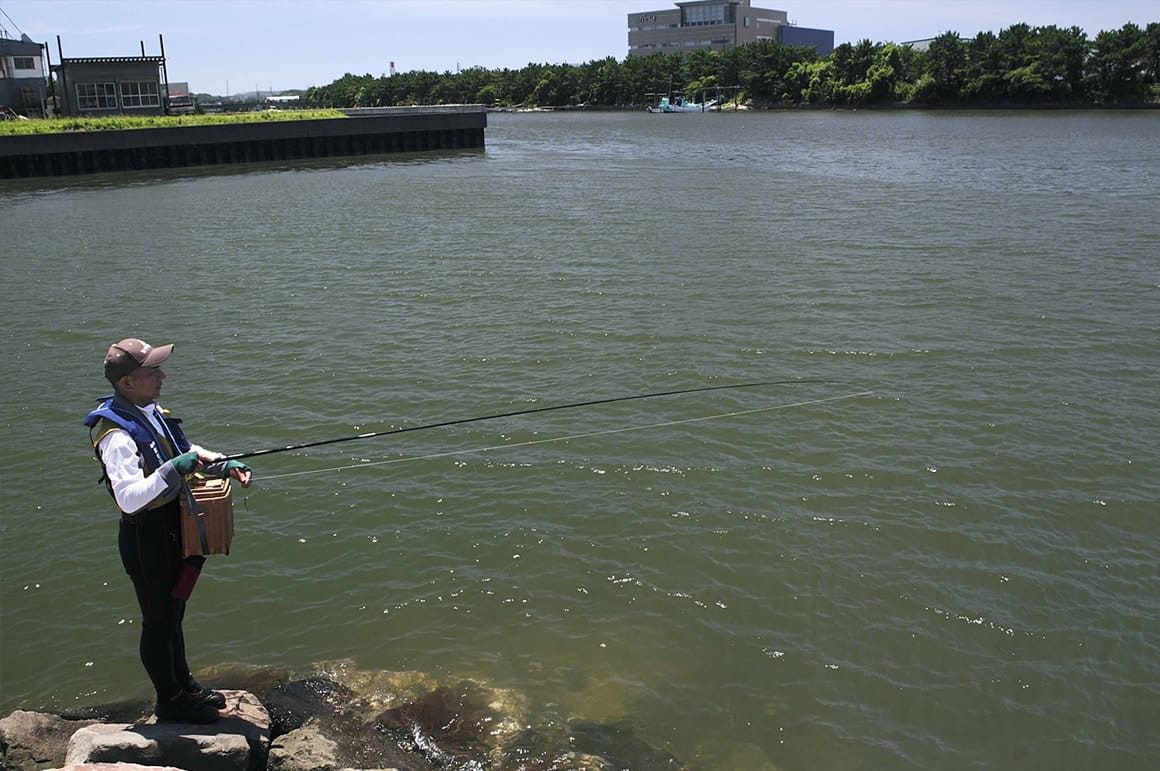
<point>151,553</point>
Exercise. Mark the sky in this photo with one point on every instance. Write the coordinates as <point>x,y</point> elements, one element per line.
<point>225,47</point>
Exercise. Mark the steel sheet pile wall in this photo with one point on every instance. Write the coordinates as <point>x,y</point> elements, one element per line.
<point>433,129</point>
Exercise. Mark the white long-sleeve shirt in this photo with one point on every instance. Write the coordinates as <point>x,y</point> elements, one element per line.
<point>132,489</point>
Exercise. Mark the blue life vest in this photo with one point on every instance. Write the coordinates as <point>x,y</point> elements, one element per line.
<point>153,450</point>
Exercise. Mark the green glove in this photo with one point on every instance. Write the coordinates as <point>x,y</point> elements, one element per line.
<point>186,463</point>
<point>236,464</point>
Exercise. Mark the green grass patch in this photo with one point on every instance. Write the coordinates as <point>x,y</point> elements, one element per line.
<point>115,122</point>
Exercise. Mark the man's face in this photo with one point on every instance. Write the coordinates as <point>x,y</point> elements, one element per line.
<point>143,385</point>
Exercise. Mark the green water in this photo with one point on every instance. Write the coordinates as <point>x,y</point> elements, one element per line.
<point>957,570</point>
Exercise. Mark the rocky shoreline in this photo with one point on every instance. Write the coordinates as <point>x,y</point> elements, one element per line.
<point>336,718</point>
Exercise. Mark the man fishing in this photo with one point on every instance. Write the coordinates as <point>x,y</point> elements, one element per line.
<point>146,458</point>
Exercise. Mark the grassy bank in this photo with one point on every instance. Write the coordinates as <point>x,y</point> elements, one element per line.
<point>114,122</point>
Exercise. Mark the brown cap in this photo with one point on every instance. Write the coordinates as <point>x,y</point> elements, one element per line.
<point>129,354</point>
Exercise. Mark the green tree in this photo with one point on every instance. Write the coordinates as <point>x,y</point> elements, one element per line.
<point>557,87</point>
<point>703,65</point>
<point>464,87</point>
<point>852,62</point>
<point>983,80</point>
<point>844,68</point>
<point>603,83</point>
<point>524,82</point>
<point>797,81</point>
<point>1060,55</point>
<point>812,82</point>
<point>1020,65</point>
<point>1117,66</point>
<point>490,96</point>
<point>886,71</point>
<point>1014,47</point>
<point>340,93</point>
<point>657,73</point>
<point>946,68</point>
<point>763,67</point>
<point>1152,54</point>
<point>1026,84</point>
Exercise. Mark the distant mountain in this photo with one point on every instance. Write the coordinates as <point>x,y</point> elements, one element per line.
<point>249,96</point>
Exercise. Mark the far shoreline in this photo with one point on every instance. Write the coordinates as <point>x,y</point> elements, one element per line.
<point>897,107</point>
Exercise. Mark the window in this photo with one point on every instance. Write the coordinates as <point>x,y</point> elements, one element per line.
<point>699,15</point>
<point>140,93</point>
<point>97,96</point>
<point>704,14</point>
<point>23,63</point>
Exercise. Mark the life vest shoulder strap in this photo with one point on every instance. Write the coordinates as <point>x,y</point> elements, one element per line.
<point>101,429</point>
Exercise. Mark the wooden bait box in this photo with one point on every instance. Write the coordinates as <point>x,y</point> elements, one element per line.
<point>216,518</point>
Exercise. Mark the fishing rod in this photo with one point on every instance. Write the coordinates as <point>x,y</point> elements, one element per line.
<point>586,435</point>
<point>531,411</point>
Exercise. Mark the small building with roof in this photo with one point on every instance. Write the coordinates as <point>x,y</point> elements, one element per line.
<point>111,85</point>
<point>23,77</point>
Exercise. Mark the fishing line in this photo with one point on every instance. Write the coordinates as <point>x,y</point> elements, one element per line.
<point>585,435</point>
<point>531,411</point>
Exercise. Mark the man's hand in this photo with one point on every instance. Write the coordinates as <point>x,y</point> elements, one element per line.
<point>186,463</point>
<point>239,471</point>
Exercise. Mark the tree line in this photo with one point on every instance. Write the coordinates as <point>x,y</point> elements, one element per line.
<point>1020,66</point>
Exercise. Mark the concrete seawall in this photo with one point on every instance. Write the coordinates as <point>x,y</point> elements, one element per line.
<point>365,132</point>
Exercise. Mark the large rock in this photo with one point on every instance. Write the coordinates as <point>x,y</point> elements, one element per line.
<point>34,740</point>
<point>303,749</point>
<point>292,704</point>
<point>318,725</point>
<point>239,741</point>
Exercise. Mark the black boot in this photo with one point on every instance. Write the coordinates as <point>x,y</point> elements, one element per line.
<point>186,708</point>
<point>208,695</point>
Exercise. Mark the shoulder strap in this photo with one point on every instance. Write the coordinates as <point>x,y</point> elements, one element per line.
<point>97,432</point>
<point>101,429</point>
